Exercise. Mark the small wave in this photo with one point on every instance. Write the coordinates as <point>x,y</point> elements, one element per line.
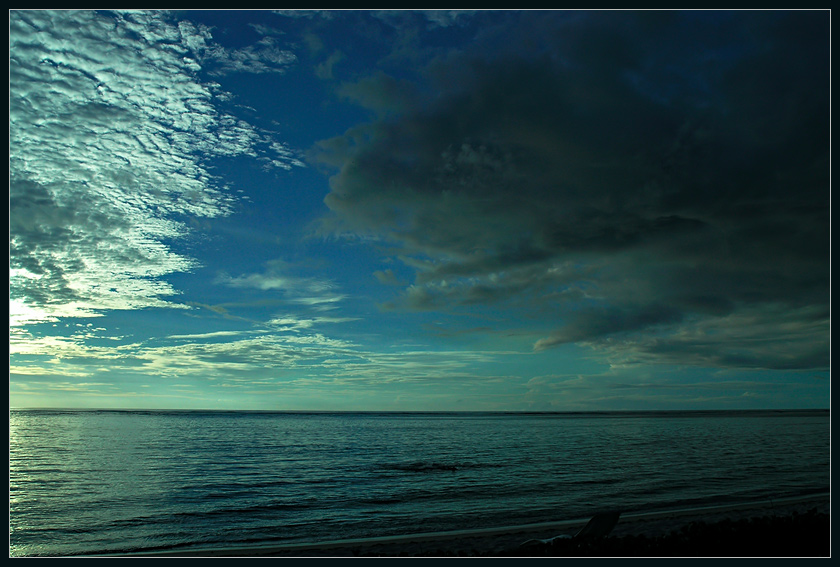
<point>382,501</point>
<point>245,510</point>
<point>434,466</point>
<point>598,481</point>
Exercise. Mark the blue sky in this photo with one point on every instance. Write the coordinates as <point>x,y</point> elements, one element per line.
<point>406,210</point>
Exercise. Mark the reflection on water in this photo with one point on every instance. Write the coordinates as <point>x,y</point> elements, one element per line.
<point>95,481</point>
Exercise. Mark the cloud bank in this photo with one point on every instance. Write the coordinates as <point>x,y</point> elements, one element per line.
<point>659,205</point>
<point>111,128</point>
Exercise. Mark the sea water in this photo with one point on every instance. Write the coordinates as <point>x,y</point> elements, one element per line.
<point>91,481</point>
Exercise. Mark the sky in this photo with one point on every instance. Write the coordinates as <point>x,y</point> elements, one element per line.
<point>491,210</point>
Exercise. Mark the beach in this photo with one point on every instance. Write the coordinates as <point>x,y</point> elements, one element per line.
<point>792,527</point>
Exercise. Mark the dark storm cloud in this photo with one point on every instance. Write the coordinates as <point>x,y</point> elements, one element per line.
<point>627,175</point>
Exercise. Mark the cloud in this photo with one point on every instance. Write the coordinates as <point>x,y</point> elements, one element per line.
<point>289,349</point>
<point>446,18</point>
<point>308,14</point>
<point>381,93</point>
<point>302,290</point>
<point>110,130</point>
<point>432,18</point>
<point>213,335</point>
<point>266,56</point>
<point>774,337</point>
<point>290,322</point>
<point>387,277</point>
<point>324,70</point>
<point>640,180</point>
<point>263,29</point>
<point>604,322</point>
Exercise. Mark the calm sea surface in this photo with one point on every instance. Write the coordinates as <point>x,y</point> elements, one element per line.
<point>84,482</point>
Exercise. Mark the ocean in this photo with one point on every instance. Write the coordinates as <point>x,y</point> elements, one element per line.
<point>85,482</point>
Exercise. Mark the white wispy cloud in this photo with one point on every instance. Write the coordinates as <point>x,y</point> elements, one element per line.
<point>110,129</point>
<point>266,56</point>
<point>214,335</point>
<point>318,293</point>
<point>308,14</point>
<point>288,345</point>
<point>43,371</point>
<point>290,322</point>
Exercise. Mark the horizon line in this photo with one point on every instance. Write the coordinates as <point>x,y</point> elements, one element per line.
<point>253,410</point>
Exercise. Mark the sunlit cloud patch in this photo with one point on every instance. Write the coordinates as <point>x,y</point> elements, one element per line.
<point>111,125</point>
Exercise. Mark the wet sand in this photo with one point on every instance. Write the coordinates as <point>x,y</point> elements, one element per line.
<point>797,527</point>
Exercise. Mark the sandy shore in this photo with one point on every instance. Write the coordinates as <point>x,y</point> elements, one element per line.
<point>797,527</point>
